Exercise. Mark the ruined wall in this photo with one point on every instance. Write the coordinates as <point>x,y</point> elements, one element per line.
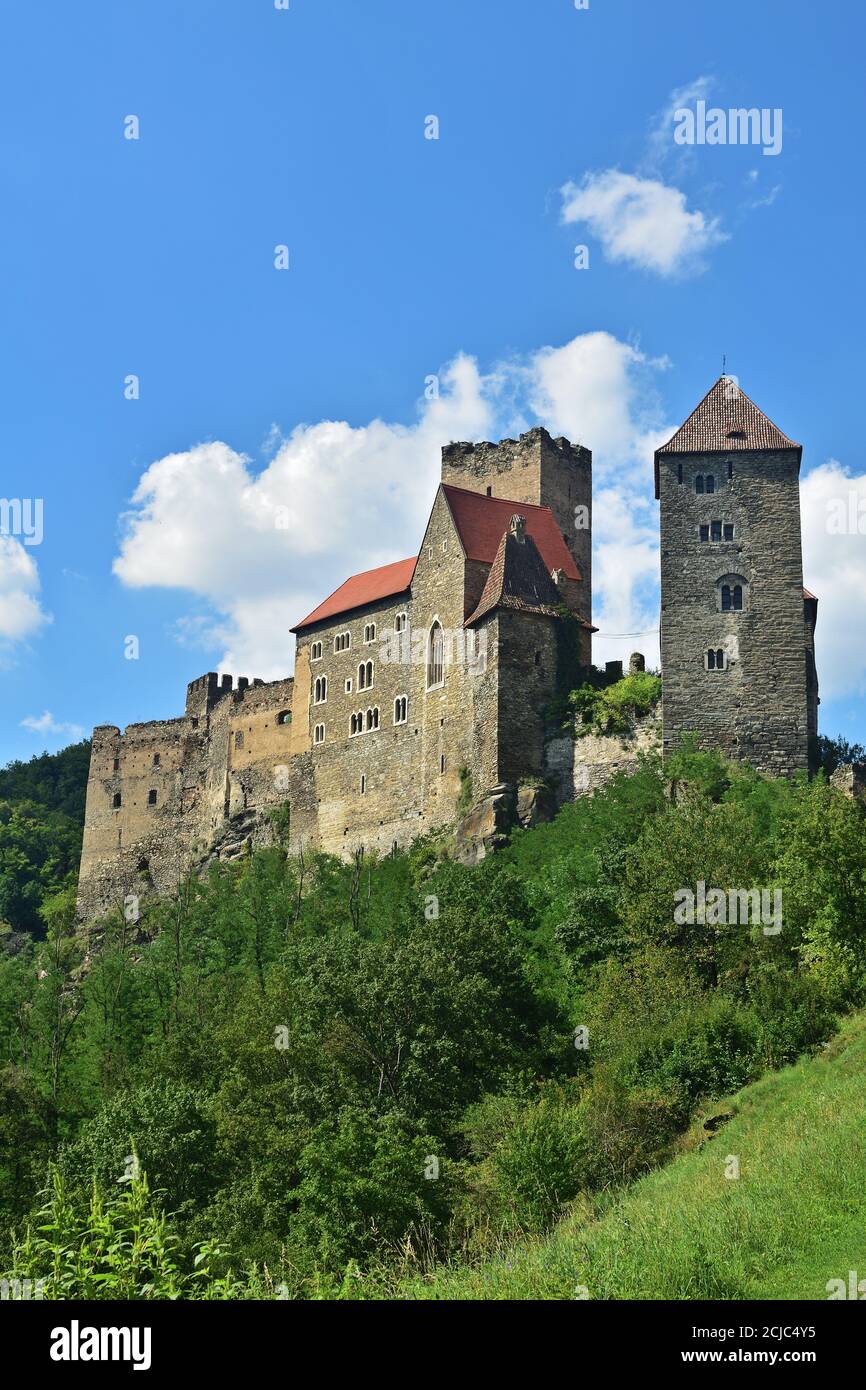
<point>163,795</point>
<point>580,766</point>
<point>755,708</point>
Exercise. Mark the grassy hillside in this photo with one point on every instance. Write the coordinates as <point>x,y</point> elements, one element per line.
<point>794,1219</point>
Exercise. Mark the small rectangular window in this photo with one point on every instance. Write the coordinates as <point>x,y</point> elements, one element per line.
<point>716,532</point>
<point>705,533</point>
<point>729,531</point>
<point>151,798</point>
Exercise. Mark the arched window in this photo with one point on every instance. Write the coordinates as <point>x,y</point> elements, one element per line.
<point>320,692</point>
<point>400,622</point>
<point>733,592</point>
<point>284,716</point>
<point>435,656</point>
<point>715,659</point>
<point>401,705</point>
<point>316,651</point>
<point>370,632</point>
<point>699,483</point>
<point>373,718</point>
<point>365,675</point>
<point>711,483</point>
<point>319,734</point>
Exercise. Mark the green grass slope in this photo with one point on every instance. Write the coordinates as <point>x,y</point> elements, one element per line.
<point>794,1219</point>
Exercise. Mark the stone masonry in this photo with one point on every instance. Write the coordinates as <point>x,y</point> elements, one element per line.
<point>427,688</point>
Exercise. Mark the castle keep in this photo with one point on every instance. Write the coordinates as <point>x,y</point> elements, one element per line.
<point>737,626</point>
<point>423,687</point>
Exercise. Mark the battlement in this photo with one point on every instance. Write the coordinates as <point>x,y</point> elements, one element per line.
<point>486,457</point>
<point>206,691</point>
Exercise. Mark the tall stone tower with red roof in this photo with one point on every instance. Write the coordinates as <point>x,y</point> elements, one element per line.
<point>737,626</point>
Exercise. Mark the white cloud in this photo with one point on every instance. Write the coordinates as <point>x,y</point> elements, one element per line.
<point>48,726</point>
<point>599,392</point>
<point>21,615</point>
<point>642,222</point>
<point>833,506</point>
<point>660,143</point>
<point>205,521</point>
<point>265,547</point>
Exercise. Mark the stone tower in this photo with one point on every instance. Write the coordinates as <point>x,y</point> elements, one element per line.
<point>737,628</point>
<point>538,469</point>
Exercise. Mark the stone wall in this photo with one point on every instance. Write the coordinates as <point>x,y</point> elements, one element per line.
<point>576,767</point>
<point>162,795</point>
<point>755,709</point>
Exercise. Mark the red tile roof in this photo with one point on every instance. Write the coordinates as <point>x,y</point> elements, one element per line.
<point>361,589</point>
<point>482,521</point>
<point>724,420</point>
<point>518,579</point>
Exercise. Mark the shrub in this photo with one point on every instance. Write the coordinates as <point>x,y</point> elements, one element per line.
<point>541,1164</point>
<point>614,709</point>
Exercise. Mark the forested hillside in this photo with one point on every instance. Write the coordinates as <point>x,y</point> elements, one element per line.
<point>41,822</point>
<point>305,1078</point>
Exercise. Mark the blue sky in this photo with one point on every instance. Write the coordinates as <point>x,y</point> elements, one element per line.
<point>282,438</point>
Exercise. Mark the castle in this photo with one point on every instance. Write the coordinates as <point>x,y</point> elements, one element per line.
<point>424,686</point>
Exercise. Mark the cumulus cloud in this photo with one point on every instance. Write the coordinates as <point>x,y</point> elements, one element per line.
<point>264,547</point>
<point>21,614</point>
<point>48,726</point>
<point>260,548</point>
<point>641,222</point>
<point>833,504</point>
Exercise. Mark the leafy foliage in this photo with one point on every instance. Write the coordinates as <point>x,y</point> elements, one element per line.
<point>614,708</point>
<point>337,1073</point>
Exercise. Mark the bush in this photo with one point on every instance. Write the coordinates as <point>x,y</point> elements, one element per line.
<point>542,1163</point>
<point>614,709</point>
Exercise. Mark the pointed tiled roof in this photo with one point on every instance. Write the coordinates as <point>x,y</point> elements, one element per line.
<point>725,420</point>
<point>518,579</point>
<point>361,589</point>
<point>481,521</point>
